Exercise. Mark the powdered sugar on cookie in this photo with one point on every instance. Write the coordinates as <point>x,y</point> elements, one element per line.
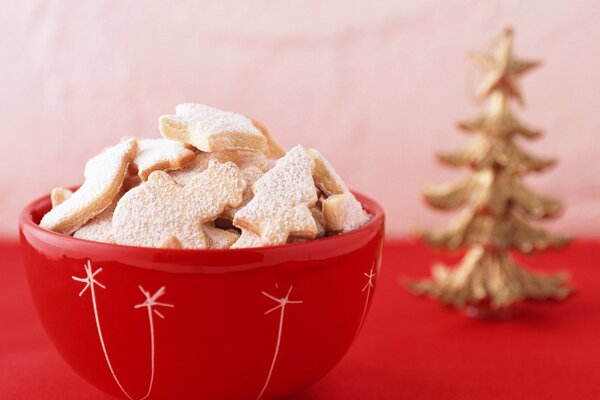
<point>341,211</point>
<point>247,159</point>
<point>250,175</point>
<point>216,179</point>
<point>210,129</point>
<point>281,202</point>
<point>160,154</point>
<point>99,228</point>
<point>248,239</point>
<point>104,175</point>
<point>325,176</point>
<point>199,164</point>
<point>219,238</point>
<point>160,208</point>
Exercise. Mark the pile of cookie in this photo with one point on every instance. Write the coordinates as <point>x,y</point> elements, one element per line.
<point>215,179</point>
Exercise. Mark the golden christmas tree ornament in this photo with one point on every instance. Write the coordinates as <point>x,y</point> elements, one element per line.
<point>498,206</point>
<point>502,69</point>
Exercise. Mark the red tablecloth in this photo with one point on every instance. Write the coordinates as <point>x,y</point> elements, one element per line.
<point>410,348</point>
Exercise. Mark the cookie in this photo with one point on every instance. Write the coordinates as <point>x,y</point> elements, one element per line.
<point>170,242</point>
<point>59,195</point>
<point>282,199</point>
<point>342,212</point>
<point>325,176</point>
<point>210,129</point>
<point>247,159</point>
<point>274,149</point>
<point>247,239</point>
<point>159,208</point>
<point>319,221</point>
<point>250,175</point>
<point>219,238</point>
<point>104,176</point>
<point>160,154</point>
<point>99,228</point>
<point>199,164</point>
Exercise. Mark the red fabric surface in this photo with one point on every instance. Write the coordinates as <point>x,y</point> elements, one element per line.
<point>410,348</point>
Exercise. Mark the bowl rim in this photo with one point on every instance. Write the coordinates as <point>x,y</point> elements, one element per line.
<point>26,222</point>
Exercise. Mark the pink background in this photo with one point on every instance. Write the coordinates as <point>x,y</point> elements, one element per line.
<point>376,86</point>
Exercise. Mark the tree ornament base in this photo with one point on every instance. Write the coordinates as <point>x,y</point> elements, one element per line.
<point>490,284</point>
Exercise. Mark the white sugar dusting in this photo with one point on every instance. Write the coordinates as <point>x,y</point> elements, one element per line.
<point>213,121</point>
<point>247,239</point>
<point>326,178</point>
<point>210,129</point>
<point>219,238</point>
<point>99,228</point>
<point>199,164</point>
<point>247,159</point>
<point>250,175</point>
<point>159,208</point>
<point>342,212</point>
<point>173,194</point>
<point>161,154</point>
<point>104,175</point>
<point>281,201</point>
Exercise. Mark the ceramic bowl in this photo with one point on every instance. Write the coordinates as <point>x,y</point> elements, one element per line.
<point>248,324</point>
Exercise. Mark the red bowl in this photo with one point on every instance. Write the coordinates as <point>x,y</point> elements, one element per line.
<point>145,323</point>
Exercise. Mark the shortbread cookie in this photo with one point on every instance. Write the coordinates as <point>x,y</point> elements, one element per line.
<point>247,239</point>
<point>250,175</point>
<point>160,154</point>
<point>319,221</point>
<point>243,159</point>
<point>274,149</point>
<point>325,176</point>
<point>218,238</point>
<point>99,228</point>
<point>342,212</point>
<point>199,164</point>
<point>210,129</point>
<point>104,175</point>
<point>59,195</point>
<point>247,159</point>
<point>170,242</point>
<point>281,202</point>
<point>159,208</point>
